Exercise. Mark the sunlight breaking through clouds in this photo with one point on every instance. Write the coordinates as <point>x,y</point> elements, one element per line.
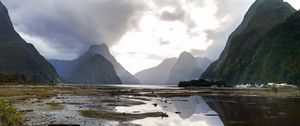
<point>167,31</point>
<point>140,33</point>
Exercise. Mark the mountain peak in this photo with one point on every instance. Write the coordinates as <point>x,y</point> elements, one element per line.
<point>103,50</point>
<point>2,7</point>
<point>99,49</point>
<point>269,1</point>
<point>6,27</point>
<point>19,57</point>
<point>242,44</point>
<point>170,59</point>
<point>259,2</point>
<point>260,9</point>
<point>5,20</point>
<point>100,46</point>
<point>185,55</point>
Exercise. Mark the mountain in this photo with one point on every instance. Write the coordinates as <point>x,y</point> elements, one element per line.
<point>173,70</point>
<point>158,74</point>
<point>233,64</point>
<point>94,69</point>
<point>21,58</point>
<point>203,63</point>
<point>186,68</point>
<point>277,58</point>
<point>89,68</point>
<point>63,67</point>
<point>124,75</point>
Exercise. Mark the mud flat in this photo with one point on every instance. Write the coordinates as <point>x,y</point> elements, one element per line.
<point>121,105</point>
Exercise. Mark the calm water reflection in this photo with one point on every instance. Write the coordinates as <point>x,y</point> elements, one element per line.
<point>256,111</point>
<point>182,111</point>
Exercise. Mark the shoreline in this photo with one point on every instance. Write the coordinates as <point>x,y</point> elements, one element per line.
<point>62,104</point>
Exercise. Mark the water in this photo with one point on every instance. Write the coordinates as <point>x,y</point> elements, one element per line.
<point>149,86</point>
<point>182,111</point>
<point>256,111</point>
<point>205,109</point>
<point>137,86</point>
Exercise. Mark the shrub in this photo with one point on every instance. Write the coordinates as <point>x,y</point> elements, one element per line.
<point>9,115</point>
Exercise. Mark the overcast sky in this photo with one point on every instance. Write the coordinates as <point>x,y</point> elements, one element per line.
<point>140,33</point>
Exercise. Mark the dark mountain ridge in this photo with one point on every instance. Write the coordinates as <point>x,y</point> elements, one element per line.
<point>19,57</point>
<point>125,76</point>
<point>90,68</point>
<point>234,64</point>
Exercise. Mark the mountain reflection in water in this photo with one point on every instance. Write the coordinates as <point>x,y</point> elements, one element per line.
<point>182,111</point>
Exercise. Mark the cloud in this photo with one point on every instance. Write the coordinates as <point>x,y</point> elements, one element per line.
<point>230,7</point>
<point>155,57</point>
<point>197,52</point>
<point>140,33</point>
<point>73,24</point>
<point>294,3</point>
<point>230,13</point>
<point>178,14</point>
<point>164,43</point>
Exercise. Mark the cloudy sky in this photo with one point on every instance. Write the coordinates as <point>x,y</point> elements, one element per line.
<point>140,33</point>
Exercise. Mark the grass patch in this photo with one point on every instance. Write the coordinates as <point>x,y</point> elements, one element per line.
<point>114,116</point>
<point>9,115</point>
<point>19,93</point>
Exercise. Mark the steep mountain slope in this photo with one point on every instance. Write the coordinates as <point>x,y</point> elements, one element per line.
<point>186,68</point>
<point>94,69</point>
<point>19,57</point>
<point>203,63</point>
<point>124,75</point>
<point>158,74</point>
<point>277,58</point>
<point>262,16</point>
<point>90,68</point>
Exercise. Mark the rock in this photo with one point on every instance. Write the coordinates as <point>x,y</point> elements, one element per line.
<point>155,104</point>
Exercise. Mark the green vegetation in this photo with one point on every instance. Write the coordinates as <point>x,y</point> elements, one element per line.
<point>122,117</point>
<point>278,56</point>
<point>201,83</point>
<point>9,115</point>
<point>19,93</point>
<point>264,48</point>
<point>16,78</point>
